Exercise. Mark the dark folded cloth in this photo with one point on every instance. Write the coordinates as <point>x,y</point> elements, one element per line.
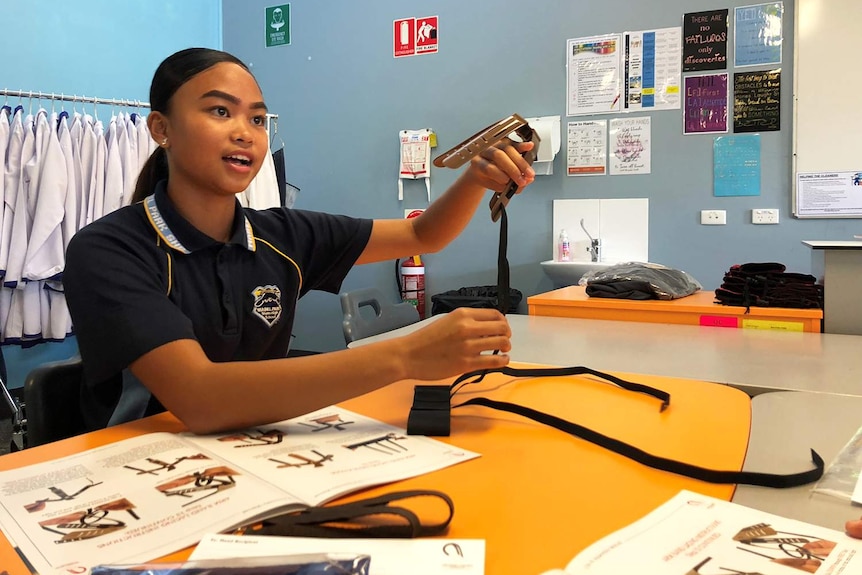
<point>768,285</point>
<point>621,289</point>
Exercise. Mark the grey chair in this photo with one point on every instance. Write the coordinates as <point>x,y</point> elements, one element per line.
<point>52,401</point>
<point>367,312</point>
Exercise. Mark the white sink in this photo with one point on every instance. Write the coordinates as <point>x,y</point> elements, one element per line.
<point>568,273</point>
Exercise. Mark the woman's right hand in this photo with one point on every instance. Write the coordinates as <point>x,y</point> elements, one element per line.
<point>463,340</point>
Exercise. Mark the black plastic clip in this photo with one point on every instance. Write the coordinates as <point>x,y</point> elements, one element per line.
<point>431,412</point>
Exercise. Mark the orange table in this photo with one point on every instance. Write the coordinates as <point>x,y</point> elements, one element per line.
<point>697,309</point>
<point>536,495</point>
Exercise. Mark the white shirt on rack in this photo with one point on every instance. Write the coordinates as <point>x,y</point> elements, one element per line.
<point>5,128</point>
<point>11,181</point>
<point>22,217</point>
<point>45,256</point>
<point>97,194</point>
<point>146,145</point>
<point>128,155</point>
<point>114,169</point>
<point>76,134</point>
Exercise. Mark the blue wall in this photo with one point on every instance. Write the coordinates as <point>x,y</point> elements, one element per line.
<point>102,48</point>
<point>342,98</point>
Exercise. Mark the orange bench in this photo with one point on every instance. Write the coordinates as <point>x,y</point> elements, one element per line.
<point>697,309</point>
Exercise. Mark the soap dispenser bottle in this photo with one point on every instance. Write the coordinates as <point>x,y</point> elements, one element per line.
<point>565,251</point>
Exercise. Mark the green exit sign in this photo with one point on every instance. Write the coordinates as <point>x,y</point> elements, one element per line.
<point>277,25</point>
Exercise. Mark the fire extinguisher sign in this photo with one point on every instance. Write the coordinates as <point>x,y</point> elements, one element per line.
<point>413,36</point>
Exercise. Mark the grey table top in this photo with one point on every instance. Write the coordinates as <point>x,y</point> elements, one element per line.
<point>784,426</point>
<point>754,360</point>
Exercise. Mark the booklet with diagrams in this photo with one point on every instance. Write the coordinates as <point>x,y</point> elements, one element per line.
<point>694,534</point>
<point>144,497</point>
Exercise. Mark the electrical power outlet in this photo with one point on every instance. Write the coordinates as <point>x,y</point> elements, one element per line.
<point>760,216</point>
<point>713,217</point>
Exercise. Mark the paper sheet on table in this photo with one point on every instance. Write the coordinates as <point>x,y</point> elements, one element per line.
<point>695,534</point>
<point>388,556</point>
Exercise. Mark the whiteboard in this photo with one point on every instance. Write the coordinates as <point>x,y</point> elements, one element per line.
<point>827,103</point>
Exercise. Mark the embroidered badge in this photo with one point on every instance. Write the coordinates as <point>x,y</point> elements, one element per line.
<point>267,303</point>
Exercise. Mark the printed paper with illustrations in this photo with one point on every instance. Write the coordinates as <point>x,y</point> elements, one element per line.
<point>141,498</point>
<point>693,534</point>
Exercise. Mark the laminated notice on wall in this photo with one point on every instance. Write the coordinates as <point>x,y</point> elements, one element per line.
<point>415,158</point>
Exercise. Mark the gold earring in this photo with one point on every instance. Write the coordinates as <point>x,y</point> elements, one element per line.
<point>165,142</point>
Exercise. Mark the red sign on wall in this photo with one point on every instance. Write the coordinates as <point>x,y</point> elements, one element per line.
<point>414,36</point>
<point>426,35</point>
<point>405,37</point>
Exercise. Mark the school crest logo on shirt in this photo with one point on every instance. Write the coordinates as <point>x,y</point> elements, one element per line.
<point>267,303</point>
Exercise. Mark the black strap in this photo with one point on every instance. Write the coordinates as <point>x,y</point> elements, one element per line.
<point>558,372</point>
<point>654,461</point>
<point>431,413</point>
<point>372,517</point>
<point>503,294</point>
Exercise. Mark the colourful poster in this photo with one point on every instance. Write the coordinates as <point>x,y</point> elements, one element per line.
<point>736,166</point>
<point>706,103</point>
<point>758,34</point>
<point>704,41</point>
<point>652,69</point>
<point>593,75</point>
<point>757,101</point>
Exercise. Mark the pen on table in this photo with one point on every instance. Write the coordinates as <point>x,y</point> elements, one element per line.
<point>614,103</point>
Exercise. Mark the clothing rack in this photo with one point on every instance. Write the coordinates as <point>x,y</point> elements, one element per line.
<point>271,119</point>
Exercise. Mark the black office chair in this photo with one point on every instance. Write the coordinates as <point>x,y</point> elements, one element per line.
<point>52,401</point>
<point>367,312</point>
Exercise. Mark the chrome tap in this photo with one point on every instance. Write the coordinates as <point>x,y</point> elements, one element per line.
<point>593,248</point>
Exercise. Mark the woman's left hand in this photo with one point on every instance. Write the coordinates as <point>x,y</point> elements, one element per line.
<point>495,166</point>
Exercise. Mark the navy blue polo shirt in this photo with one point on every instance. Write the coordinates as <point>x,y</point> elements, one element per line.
<point>143,276</point>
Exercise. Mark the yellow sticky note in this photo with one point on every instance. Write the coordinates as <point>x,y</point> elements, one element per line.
<point>432,140</point>
<point>772,324</point>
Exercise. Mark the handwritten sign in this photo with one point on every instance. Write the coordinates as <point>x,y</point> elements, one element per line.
<point>705,41</point>
<point>757,101</point>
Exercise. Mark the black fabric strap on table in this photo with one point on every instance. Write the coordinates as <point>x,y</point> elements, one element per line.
<point>352,519</point>
<point>655,461</point>
<point>559,372</point>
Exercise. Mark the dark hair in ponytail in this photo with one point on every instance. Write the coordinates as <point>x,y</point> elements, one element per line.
<point>173,72</point>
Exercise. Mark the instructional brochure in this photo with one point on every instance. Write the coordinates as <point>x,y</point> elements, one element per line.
<point>693,534</point>
<point>388,556</point>
<point>144,497</point>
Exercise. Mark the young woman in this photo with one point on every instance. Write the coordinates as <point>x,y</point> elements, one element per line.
<point>185,301</point>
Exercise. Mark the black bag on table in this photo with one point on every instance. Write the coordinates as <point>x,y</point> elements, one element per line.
<point>475,296</point>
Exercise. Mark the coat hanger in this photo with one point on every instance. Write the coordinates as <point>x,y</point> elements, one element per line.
<point>274,134</point>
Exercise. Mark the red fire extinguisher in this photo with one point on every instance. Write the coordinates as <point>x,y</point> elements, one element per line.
<point>411,283</point>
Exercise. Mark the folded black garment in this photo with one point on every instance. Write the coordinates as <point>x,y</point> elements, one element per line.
<point>624,289</point>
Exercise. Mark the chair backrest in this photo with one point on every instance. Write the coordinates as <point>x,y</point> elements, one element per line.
<point>52,401</point>
<point>367,312</point>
